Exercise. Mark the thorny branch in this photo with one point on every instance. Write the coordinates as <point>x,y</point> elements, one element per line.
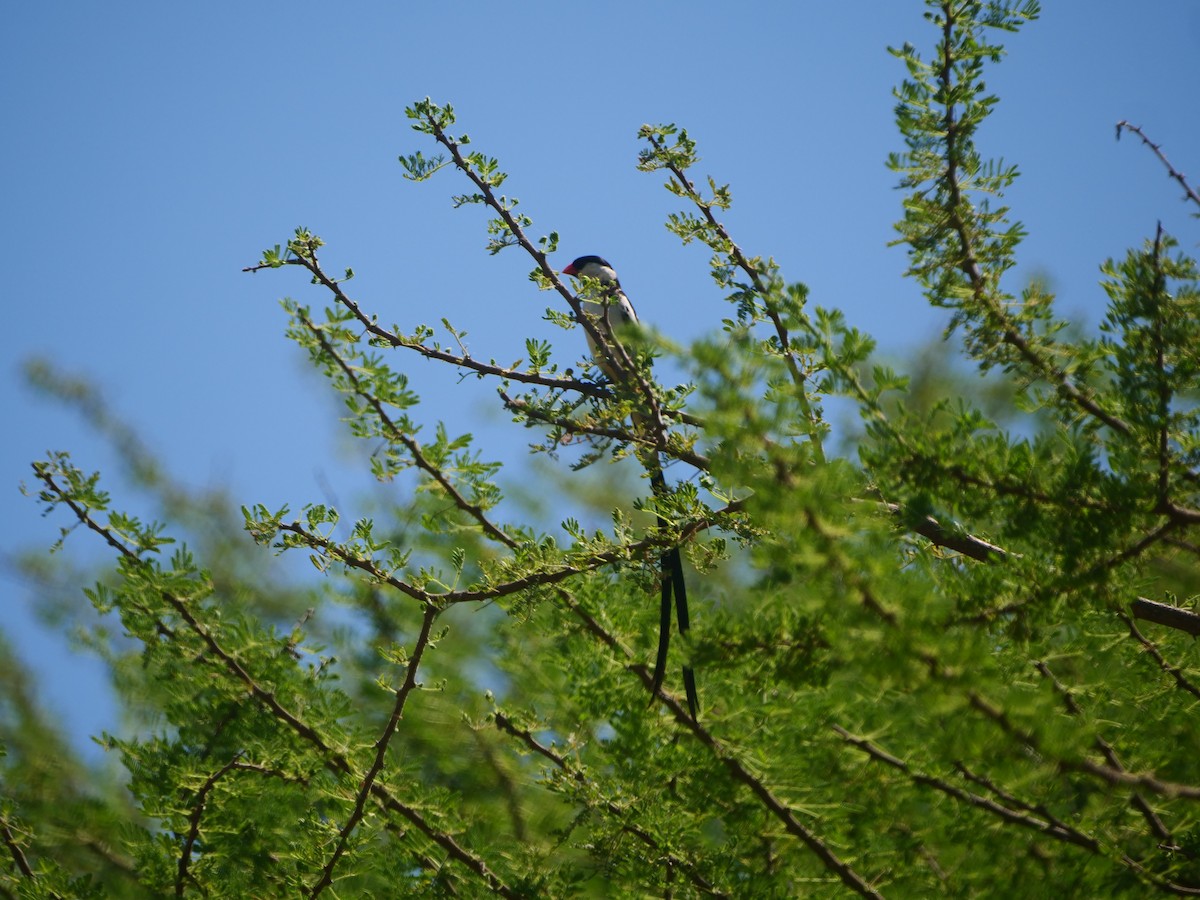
<point>1155,535</point>
<point>1016,817</point>
<point>735,252</point>
<point>608,351</point>
<point>969,260</point>
<point>464,360</point>
<point>1106,773</point>
<point>1136,800</point>
<point>333,759</point>
<point>185,854</point>
<point>1021,817</point>
<point>574,426</point>
<point>381,747</point>
<point>1188,191</point>
<point>412,446</point>
<point>197,814</point>
<point>542,578</point>
<point>1181,680</point>
<point>505,724</point>
<point>726,756</point>
<point>14,848</point>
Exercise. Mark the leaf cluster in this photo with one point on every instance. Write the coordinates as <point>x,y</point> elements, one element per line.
<point>934,640</point>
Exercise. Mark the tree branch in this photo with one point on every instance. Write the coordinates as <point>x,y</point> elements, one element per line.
<point>1189,193</point>
<point>1181,681</point>
<point>969,258</point>
<point>1112,776</point>
<point>1136,800</point>
<point>1013,816</point>
<point>622,553</point>
<point>1163,614</point>
<point>1055,829</point>
<point>381,746</point>
<point>14,848</point>
<point>589,789</point>
<point>737,770</point>
<point>411,445</point>
<point>623,435</point>
<point>960,542</point>
<point>735,252</point>
<point>463,360</point>
<point>332,759</point>
<point>197,813</point>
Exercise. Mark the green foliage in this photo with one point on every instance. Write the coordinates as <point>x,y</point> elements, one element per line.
<point>924,666</point>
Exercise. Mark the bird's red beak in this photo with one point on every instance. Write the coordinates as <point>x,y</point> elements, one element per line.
<point>570,270</point>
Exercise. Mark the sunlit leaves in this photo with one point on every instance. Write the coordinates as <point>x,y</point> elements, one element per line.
<point>868,682</point>
<point>418,168</point>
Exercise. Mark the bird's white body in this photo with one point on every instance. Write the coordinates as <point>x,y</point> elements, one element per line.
<point>616,310</point>
<point>608,303</point>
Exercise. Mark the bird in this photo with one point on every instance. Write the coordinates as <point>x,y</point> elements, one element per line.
<point>612,306</point>
<point>607,303</point>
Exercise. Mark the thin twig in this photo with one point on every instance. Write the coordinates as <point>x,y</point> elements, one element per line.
<point>333,759</point>
<point>1189,192</point>
<point>1136,800</point>
<point>687,530</point>
<point>412,446</point>
<point>574,772</point>
<point>1160,371</point>
<point>693,459</point>
<point>1057,830</point>
<point>969,258</point>
<point>464,360</point>
<point>725,755</point>
<point>381,747</point>
<point>1016,817</point>
<point>185,853</point>
<point>14,848</point>
<point>1181,680</point>
<point>740,259</point>
<point>1109,774</point>
<point>1154,536</point>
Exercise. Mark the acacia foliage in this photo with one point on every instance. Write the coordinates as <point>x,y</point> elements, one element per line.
<point>924,668</point>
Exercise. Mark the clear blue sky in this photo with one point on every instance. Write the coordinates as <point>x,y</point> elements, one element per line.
<point>152,150</point>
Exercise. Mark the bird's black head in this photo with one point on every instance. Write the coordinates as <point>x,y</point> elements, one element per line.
<point>592,266</point>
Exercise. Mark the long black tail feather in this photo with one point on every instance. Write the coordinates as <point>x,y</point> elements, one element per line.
<point>664,619</point>
<point>673,583</point>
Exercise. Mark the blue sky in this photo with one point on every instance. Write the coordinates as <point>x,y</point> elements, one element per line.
<point>153,149</point>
